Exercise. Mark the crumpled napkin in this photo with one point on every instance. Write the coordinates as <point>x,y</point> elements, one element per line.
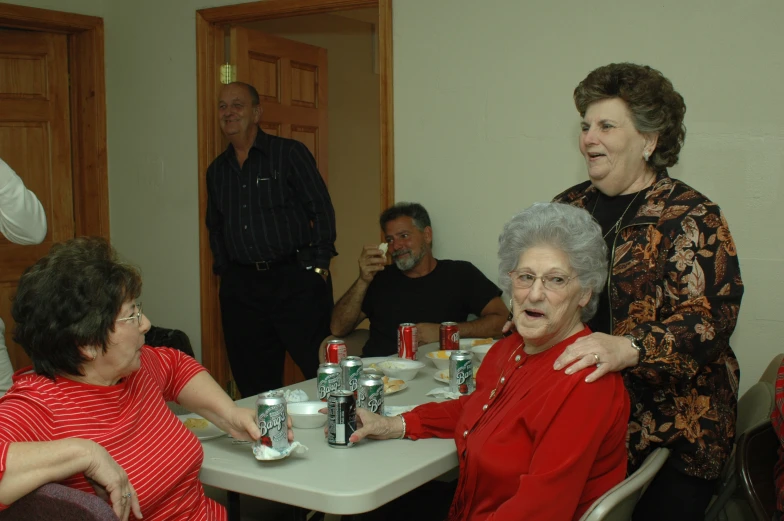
<point>443,392</point>
<point>395,410</point>
<point>295,395</point>
<point>264,453</point>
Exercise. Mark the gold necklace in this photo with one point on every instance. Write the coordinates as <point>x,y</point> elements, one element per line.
<point>617,225</point>
<point>502,379</point>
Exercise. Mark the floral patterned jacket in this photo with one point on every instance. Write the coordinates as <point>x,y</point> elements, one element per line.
<point>675,283</point>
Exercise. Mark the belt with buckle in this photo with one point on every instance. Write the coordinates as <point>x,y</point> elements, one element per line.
<point>268,265</point>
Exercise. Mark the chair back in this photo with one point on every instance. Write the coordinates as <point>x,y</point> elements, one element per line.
<point>770,373</point>
<point>755,406</point>
<point>756,457</point>
<point>617,504</point>
<point>55,501</point>
<point>754,409</point>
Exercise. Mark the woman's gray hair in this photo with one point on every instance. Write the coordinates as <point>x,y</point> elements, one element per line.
<point>570,229</point>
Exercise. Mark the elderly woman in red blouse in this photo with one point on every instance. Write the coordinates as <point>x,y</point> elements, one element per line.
<point>533,443</point>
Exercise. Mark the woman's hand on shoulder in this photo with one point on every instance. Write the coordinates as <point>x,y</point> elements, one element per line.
<point>607,352</point>
<point>111,483</point>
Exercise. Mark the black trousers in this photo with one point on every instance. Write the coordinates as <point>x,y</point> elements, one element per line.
<point>674,496</point>
<point>265,314</point>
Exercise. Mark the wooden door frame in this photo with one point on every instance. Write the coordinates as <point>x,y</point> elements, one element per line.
<point>88,107</point>
<point>209,52</point>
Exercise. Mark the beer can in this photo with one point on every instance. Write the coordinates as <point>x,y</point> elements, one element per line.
<point>271,420</point>
<point>336,351</point>
<point>351,366</point>
<point>461,372</point>
<point>328,379</point>
<point>341,419</point>
<point>407,341</point>
<point>370,393</point>
<point>449,338</point>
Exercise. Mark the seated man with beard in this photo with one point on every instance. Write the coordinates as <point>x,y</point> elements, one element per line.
<point>416,288</point>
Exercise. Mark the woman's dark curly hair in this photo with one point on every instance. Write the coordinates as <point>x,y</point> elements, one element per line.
<point>654,104</point>
<point>71,298</point>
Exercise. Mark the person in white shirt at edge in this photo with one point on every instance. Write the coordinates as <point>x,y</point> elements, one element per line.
<point>22,221</point>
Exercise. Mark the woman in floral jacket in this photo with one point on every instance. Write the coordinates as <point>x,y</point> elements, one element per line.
<point>673,293</point>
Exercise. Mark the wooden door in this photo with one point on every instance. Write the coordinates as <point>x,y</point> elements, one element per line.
<point>291,78</point>
<point>35,142</point>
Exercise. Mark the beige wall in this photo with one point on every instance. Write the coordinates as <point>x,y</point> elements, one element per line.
<point>354,159</point>
<point>484,126</point>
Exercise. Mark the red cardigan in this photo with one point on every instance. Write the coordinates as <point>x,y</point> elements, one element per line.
<point>547,446</point>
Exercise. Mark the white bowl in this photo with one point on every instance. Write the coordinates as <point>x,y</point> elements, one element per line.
<point>440,359</point>
<point>401,368</point>
<point>306,415</point>
<point>481,350</point>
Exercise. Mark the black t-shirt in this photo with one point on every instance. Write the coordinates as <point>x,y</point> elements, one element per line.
<point>607,210</point>
<point>449,293</point>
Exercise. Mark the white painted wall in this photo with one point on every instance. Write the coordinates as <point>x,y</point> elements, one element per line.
<point>484,126</point>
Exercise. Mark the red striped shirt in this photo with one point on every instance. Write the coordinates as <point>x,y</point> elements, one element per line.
<point>130,420</point>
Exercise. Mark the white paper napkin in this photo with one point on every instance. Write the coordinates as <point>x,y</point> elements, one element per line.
<point>396,410</point>
<point>443,392</point>
<point>264,453</point>
<point>295,395</point>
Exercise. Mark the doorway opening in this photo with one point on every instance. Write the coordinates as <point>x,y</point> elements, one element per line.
<point>211,28</point>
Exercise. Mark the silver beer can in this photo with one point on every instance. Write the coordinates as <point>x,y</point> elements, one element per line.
<point>461,372</point>
<point>341,419</point>
<point>370,393</point>
<point>271,420</point>
<point>328,379</point>
<point>352,368</point>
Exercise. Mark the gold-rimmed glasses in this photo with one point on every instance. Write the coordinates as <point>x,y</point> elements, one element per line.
<point>136,316</point>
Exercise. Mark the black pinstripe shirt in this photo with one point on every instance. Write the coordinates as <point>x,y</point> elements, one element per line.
<point>272,206</point>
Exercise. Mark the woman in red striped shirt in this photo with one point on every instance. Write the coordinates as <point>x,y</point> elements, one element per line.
<point>92,412</point>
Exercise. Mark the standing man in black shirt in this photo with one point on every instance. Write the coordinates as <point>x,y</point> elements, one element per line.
<point>272,235</point>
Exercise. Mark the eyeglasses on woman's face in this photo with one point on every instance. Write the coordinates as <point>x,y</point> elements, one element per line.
<point>526,280</point>
<point>137,315</point>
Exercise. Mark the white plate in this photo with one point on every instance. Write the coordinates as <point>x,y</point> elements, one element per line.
<point>399,388</point>
<point>207,433</point>
<point>443,376</point>
<point>467,343</point>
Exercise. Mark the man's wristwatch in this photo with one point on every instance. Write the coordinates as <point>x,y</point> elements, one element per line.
<point>637,345</point>
<point>321,271</point>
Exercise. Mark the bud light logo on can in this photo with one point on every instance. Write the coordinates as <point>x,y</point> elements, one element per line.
<point>328,383</point>
<point>272,424</point>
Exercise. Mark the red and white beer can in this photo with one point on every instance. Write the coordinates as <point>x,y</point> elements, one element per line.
<point>407,341</point>
<point>449,338</point>
<point>336,351</point>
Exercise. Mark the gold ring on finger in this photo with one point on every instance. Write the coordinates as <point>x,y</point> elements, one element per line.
<point>597,358</point>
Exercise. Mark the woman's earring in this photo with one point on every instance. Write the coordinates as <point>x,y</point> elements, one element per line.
<point>510,304</point>
<point>95,355</point>
<point>645,156</point>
